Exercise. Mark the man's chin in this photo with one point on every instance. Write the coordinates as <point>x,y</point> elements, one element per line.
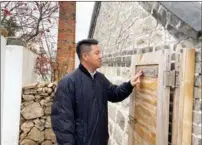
<point>99,66</point>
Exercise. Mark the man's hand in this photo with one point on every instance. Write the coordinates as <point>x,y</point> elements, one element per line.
<point>136,78</point>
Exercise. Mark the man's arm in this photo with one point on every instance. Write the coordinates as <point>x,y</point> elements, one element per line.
<point>62,116</point>
<point>119,93</point>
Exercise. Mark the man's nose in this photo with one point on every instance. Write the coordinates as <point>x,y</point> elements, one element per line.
<point>100,56</point>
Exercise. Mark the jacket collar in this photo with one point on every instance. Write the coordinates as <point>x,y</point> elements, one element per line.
<point>84,70</point>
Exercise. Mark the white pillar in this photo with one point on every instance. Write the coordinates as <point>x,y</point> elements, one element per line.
<point>12,93</point>
<point>3,52</point>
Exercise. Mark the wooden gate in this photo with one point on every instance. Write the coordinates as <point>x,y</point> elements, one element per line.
<point>149,104</point>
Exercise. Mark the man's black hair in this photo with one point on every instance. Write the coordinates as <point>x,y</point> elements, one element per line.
<point>85,46</point>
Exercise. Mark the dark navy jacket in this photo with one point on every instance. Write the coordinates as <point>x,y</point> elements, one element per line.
<point>79,112</point>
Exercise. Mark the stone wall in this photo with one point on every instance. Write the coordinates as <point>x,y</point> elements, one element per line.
<point>35,122</point>
<point>128,28</point>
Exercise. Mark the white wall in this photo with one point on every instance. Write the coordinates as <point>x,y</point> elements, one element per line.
<point>29,60</point>
<point>12,94</point>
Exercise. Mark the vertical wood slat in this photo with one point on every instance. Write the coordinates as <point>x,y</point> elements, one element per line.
<point>131,111</point>
<point>163,102</point>
<point>183,102</point>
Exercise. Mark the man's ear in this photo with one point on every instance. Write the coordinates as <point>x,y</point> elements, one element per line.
<point>84,55</point>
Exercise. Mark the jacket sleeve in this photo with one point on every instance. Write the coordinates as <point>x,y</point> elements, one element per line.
<point>62,114</point>
<point>118,93</point>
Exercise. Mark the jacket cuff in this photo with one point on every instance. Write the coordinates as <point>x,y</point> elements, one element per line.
<point>129,86</point>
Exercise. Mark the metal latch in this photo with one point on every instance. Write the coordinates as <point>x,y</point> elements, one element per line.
<point>170,79</point>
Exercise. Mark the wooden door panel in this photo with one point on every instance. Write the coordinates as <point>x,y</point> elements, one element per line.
<point>146,105</point>
<point>149,113</point>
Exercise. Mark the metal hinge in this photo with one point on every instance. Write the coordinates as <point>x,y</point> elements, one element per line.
<point>170,79</point>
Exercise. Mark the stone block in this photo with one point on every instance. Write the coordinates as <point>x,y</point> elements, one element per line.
<point>118,136</point>
<point>30,92</point>
<point>198,67</point>
<point>197,93</point>
<point>32,111</point>
<point>174,20</point>
<point>48,122</point>
<point>47,110</point>
<point>26,126</point>
<point>147,5</point>
<point>110,127</point>
<point>111,111</point>
<point>28,97</point>
<point>49,135</point>
<point>137,27</point>
<point>186,29</point>
<point>120,120</point>
<point>36,135</point>
<point>30,86</point>
<point>196,140</point>
<point>149,24</point>
<point>28,142</point>
<point>125,140</point>
<point>198,104</point>
<point>47,142</point>
<point>197,129</point>
<point>111,142</point>
<point>198,56</point>
<point>157,37</point>
<point>39,124</point>
<point>197,117</point>
<point>162,15</point>
<point>125,103</point>
<point>198,80</point>
<point>142,42</point>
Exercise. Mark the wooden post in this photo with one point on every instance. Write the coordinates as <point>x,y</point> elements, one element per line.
<point>184,105</point>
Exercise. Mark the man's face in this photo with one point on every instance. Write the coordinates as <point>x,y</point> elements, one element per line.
<point>94,57</point>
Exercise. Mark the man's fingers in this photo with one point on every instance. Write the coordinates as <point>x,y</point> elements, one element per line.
<point>138,74</point>
<point>137,82</point>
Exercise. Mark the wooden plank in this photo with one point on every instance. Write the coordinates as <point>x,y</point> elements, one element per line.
<point>147,126</point>
<point>163,102</point>
<point>146,115</point>
<point>131,113</point>
<point>149,137</point>
<point>138,140</point>
<point>148,92</point>
<point>186,98</point>
<point>152,100</point>
<point>176,118</point>
<point>149,83</point>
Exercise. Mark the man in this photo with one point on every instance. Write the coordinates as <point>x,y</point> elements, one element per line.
<point>79,112</point>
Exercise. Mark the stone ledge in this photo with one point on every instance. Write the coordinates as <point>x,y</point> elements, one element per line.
<point>15,41</point>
